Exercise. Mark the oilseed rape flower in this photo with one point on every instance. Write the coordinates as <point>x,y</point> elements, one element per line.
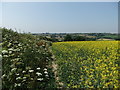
<point>87,64</point>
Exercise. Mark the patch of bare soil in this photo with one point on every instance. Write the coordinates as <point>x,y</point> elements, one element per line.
<point>55,66</point>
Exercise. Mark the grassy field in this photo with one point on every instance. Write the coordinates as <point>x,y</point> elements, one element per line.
<point>87,64</point>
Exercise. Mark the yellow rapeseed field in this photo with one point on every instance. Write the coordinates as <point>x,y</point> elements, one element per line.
<point>87,64</point>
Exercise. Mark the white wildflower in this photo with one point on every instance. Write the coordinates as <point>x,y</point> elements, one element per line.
<point>10,52</point>
<point>12,66</point>
<point>19,84</point>
<point>10,49</point>
<point>5,55</point>
<point>16,41</point>
<point>3,76</point>
<point>4,51</point>
<point>31,70</point>
<point>39,73</point>
<point>13,69</point>
<point>16,59</point>
<point>4,38</point>
<point>9,44</point>
<point>46,72</point>
<point>24,77</point>
<point>18,78</point>
<point>23,71</point>
<point>31,78</point>
<point>38,68</point>
<point>46,75</point>
<point>45,69</point>
<point>17,74</point>
<point>24,80</point>
<point>19,44</point>
<point>0,56</point>
<point>43,45</point>
<point>40,79</point>
<point>15,85</point>
<point>17,49</point>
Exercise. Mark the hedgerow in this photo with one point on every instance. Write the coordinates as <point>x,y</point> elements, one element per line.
<point>25,64</point>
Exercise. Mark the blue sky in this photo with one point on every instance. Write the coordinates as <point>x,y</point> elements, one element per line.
<point>39,17</point>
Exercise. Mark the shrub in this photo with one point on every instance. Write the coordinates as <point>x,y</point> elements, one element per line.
<point>25,64</point>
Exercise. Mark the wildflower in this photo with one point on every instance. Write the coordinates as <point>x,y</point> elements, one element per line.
<point>46,75</point>
<point>17,49</point>
<point>15,85</point>
<point>17,74</point>
<point>16,41</point>
<point>28,68</point>
<point>3,76</point>
<point>38,73</point>
<point>38,68</point>
<point>31,78</point>
<point>31,70</point>
<point>43,45</point>
<point>12,55</point>
<point>24,77</point>
<point>9,44</point>
<point>0,56</point>
<point>4,51</point>
<point>19,44</point>
<point>10,49</point>
<point>5,55</point>
<point>23,71</point>
<point>19,84</point>
<point>45,69</point>
<point>10,52</point>
<point>13,69</point>
<point>16,59</point>
<point>46,72</point>
<point>24,80</point>
<point>18,78</point>
<point>40,79</point>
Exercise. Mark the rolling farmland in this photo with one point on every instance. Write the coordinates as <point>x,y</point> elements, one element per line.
<point>87,64</point>
<point>31,62</point>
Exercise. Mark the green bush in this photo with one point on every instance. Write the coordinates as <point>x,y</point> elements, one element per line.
<point>24,63</point>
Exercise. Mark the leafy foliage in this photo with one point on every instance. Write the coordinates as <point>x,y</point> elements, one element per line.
<point>25,64</point>
<point>69,37</point>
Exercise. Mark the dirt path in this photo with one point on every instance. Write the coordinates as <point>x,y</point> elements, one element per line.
<point>55,66</point>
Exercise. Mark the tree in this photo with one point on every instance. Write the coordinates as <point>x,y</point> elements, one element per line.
<point>68,38</point>
<point>79,38</point>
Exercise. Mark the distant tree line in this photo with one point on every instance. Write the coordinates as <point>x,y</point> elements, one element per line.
<point>53,39</point>
<point>69,37</point>
<point>105,35</point>
<point>79,37</point>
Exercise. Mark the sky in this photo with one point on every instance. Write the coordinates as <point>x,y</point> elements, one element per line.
<point>60,17</point>
<point>60,0</point>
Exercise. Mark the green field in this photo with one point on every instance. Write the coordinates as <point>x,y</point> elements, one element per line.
<point>87,64</point>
